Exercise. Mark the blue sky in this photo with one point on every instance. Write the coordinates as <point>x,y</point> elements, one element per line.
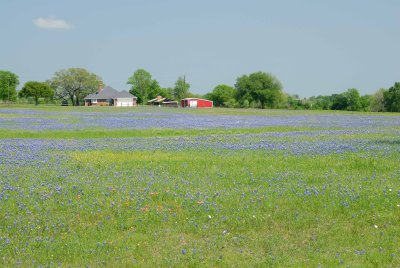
<point>312,47</point>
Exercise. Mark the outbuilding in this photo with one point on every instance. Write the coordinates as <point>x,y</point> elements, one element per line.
<point>162,102</point>
<point>196,103</point>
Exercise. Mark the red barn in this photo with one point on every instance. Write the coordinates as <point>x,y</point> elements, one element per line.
<point>196,103</point>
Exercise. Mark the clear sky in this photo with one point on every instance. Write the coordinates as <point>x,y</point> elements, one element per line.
<point>313,47</point>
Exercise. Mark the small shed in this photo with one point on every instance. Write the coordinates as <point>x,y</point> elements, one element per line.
<point>169,103</point>
<point>196,103</point>
<point>156,101</point>
<point>164,102</point>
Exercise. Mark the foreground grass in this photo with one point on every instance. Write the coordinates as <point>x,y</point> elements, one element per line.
<point>204,208</point>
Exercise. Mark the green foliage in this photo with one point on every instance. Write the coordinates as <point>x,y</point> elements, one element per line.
<point>143,86</point>
<point>8,86</point>
<point>260,87</point>
<point>352,99</point>
<point>37,90</point>
<point>377,103</point>
<point>181,89</point>
<point>392,98</point>
<point>193,95</point>
<point>365,102</point>
<point>349,100</point>
<point>223,96</point>
<point>246,104</point>
<point>74,84</point>
<point>159,91</point>
<point>382,100</point>
<point>346,101</point>
<point>294,102</point>
<point>320,102</point>
<point>339,102</point>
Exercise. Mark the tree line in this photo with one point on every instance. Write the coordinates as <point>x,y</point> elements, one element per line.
<point>263,90</point>
<point>383,100</point>
<point>255,90</point>
<point>71,86</point>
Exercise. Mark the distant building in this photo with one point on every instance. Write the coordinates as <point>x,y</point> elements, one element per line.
<point>196,103</point>
<point>164,102</point>
<point>109,96</point>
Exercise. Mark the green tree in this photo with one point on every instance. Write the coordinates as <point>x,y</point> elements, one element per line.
<point>156,90</point>
<point>365,101</point>
<point>181,89</point>
<point>74,84</point>
<point>223,95</point>
<point>143,86</point>
<point>294,102</point>
<point>339,102</point>
<point>8,86</point>
<point>260,87</point>
<point>325,102</point>
<point>377,103</point>
<point>321,102</point>
<point>165,92</point>
<point>37,90</point>
<point>353,99</point>
<point>392,98</point>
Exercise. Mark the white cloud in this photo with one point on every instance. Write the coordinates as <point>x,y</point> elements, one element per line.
<point>52,23</point>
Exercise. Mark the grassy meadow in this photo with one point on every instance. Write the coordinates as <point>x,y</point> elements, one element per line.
<point>152,187</point>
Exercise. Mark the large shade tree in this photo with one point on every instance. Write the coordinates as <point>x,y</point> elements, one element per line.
<point>75,84</point>
<point>37,90</point>
<point>8,86</point>
<point>262,87</point>
<point>223,95</point>
<point>144,87</point>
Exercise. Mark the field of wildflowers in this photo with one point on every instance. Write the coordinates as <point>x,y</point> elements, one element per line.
<point>190,188</point>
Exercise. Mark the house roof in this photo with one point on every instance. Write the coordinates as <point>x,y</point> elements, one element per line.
<point>90,96</point>
<point>125,94</point>
<point>109,93</point>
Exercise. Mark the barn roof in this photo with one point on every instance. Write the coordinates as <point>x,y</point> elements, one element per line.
<point>196,99</point>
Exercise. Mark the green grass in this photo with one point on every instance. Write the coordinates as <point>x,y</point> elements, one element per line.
<point>242,208</point>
